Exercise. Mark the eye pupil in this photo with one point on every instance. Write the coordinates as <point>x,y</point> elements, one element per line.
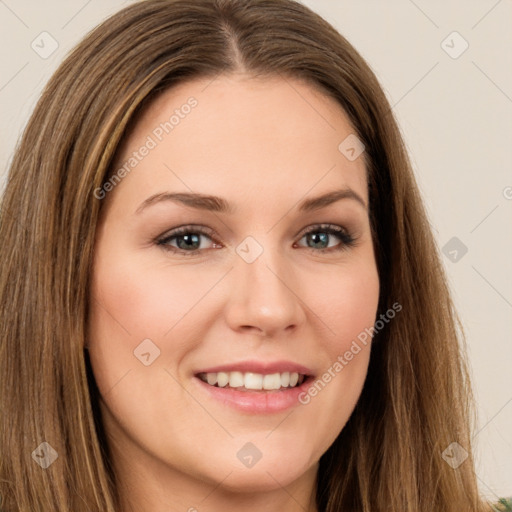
<point>319,239</point>
<point>191,241</point>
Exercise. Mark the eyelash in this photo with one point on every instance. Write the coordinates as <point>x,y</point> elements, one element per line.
<point>347,240</point>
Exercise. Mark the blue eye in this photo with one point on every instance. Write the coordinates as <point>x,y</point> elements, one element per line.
<point>188,240</point>
<point>321,238</point>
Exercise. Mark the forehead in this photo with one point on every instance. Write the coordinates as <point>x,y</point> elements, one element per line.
<point>274,136</point>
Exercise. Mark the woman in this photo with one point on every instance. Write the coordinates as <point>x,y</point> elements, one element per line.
<point>219,285</point>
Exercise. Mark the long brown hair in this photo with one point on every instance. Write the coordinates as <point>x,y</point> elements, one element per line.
<point>416,399</point>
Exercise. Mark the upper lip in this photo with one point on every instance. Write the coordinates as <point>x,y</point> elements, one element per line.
<point>265,368</point>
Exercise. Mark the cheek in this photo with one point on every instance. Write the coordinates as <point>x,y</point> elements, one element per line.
<point>126,309</point>
<point>346,300</point>
<point>347,308</point>
<point>130,296</point>
<point>144,299</point>
<point>133,301</point>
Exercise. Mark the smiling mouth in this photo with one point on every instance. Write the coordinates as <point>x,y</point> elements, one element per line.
<point>250,381</point>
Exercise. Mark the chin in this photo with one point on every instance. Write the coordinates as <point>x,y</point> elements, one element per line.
<point>264,479</point>
<point>272,471</point>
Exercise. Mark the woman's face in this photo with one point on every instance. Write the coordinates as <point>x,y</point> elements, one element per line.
<point>263,279</point>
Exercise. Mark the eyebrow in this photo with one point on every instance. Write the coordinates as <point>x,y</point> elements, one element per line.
<point>220,205</point>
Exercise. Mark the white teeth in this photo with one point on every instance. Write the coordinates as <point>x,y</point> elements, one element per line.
<point>222,379</point>
<point>272,381</point>
<point>236,379</point>
<point>255,381</point>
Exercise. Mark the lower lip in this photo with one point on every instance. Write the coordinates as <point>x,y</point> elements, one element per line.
<point>257,402</point>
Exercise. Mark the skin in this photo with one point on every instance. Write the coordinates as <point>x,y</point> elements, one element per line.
<point>263,145</point>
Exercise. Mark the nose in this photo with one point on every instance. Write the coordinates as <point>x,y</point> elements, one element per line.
<point>264,298</point>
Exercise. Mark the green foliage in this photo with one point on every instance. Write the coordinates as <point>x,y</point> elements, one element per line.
<point>504,505</point>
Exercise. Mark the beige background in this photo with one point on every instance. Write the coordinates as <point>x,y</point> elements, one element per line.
<point>456,117</point>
